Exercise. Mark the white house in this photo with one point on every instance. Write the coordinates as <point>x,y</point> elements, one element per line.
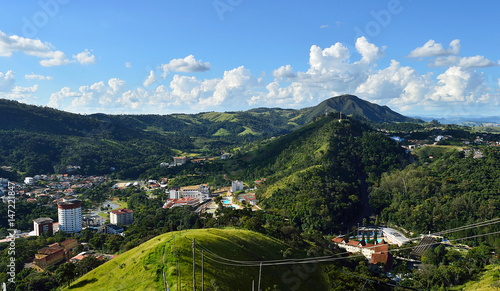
<point>29,181</point>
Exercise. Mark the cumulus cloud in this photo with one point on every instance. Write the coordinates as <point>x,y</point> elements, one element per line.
<point>150,80</point>
<point>85,58</point>
<point>9,90</point>
<point>56,99</point>
<point>434,49</point>
<point>476,62</point>
<point>37,77</point>
<point>370,52</point>
<point>394,82</point>
<point>34,47</point>
<point>332,71</point>
<point>460,85</point>
<point>284,72</point>
<point>186,65</point>
<point>7,81</point>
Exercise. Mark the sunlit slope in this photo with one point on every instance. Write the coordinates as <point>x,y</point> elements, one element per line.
<point>141,268</point>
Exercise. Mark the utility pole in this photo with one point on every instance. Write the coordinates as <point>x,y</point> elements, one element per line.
<point>194,264</point>
<point>202,277</point>
<point>178,277</point>
<point>260,273</point>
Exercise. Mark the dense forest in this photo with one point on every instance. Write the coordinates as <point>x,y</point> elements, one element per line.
<point>444,192</point>
<point>318,175</point>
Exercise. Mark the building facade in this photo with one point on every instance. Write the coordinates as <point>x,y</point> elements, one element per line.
<point>122,216</point>
<point>42,225</point>
<point>70,214</point>
<point>236,186</point>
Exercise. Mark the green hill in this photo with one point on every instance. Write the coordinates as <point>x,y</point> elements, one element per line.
<point>319,174</point>
<point>141,268</point>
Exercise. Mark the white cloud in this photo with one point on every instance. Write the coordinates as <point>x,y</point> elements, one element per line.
<point>128,65</point>
<point>476,62</point>
<point>56,99</point>
<point>37,77</point>
<point>445,61</point>
<point>370,52</point>
<point>396,84</point>
<point>150,80</point>
<point>284,72</point>
<point>324,26</point>
<point>460,85</point>
<point>36,48</point>
<point>7,81</point>
<point>332,71</point>
<point>237,83</point>
<point>433,49</point>
<point>85,58</point>
<point>186,65</point>
<point>9,90</point>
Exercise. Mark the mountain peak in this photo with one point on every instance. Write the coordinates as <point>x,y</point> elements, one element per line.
<point>357,107</point>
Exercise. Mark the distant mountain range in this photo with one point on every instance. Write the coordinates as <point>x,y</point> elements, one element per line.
<point>41,139</point>
<point>470,120</point>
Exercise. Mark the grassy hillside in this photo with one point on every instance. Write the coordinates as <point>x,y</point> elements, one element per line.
<point>141,268</point>
<point>490,280</point>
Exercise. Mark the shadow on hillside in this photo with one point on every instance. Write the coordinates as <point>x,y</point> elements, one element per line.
<point>82,283</point>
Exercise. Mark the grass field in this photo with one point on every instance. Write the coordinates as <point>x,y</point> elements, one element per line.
<point>490,277</point>
<point>141,268</point>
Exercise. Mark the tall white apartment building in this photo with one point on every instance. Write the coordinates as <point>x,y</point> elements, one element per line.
<point>70,214</point>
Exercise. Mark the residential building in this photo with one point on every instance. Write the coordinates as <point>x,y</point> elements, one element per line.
<point>70,214</point>
<point>122,216</point>
<point>236,186</point>
<point>178,161</point>
<point>376,253</point>
<point>199,191</point>
<point>42,225</point>
<point>29,181</point>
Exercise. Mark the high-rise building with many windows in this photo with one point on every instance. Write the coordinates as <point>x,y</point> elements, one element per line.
<point>70,214</point>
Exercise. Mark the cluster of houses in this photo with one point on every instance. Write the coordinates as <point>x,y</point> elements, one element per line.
<point>54,186</point>
<point>179,161</point>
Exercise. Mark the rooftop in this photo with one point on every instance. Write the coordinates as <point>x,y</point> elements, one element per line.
<point>122,211</point>
<point>43,220</point>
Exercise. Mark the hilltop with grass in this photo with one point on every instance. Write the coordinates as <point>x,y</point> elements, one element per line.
<point>142,267</point>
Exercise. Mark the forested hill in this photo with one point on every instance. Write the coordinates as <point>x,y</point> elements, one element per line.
<point>318,175</point>
<point>352,105</point>
<point>36,139</point>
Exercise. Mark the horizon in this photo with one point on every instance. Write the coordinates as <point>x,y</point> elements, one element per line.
<point>188,57</point>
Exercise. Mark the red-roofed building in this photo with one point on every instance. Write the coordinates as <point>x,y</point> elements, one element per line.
<point>181,202</point>
<point>122,216</point>
<point>376,253</point>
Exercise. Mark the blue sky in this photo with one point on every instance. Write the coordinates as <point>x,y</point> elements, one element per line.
<point>418,57</point>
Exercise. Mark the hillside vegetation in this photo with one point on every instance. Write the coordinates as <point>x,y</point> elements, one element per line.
<point>318,175</point>
<point>36,140</point>
<point>141,268</point>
